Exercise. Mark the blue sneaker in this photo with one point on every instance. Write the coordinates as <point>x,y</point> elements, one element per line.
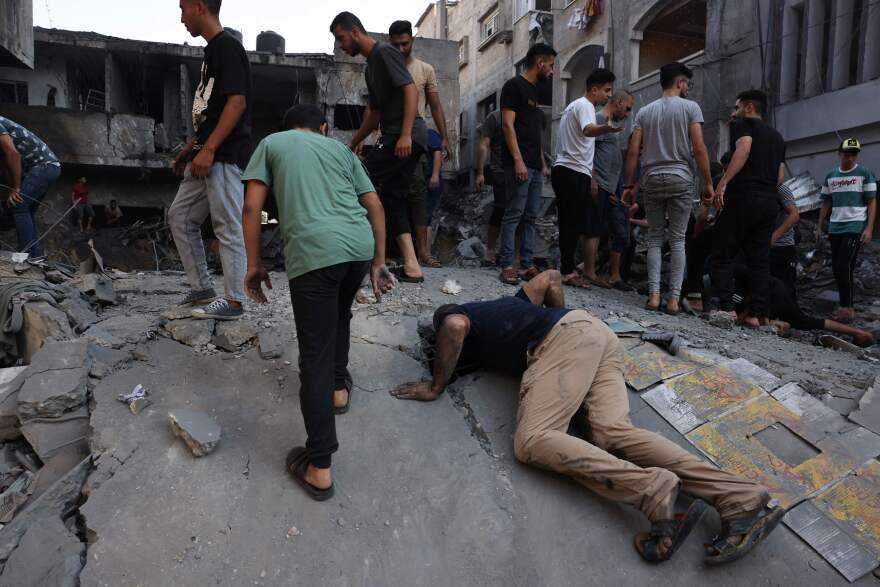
<point>198,297</point>
<point>219,309</point>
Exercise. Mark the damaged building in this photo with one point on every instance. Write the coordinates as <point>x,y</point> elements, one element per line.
<point>819,60</point>
<point>117,110</point>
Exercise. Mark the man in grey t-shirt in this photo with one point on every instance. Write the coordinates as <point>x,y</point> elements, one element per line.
<point>783,253</point>
<point>670,133</point>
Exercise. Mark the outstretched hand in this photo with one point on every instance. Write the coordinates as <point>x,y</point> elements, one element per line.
<point>421,391</point>
<point>382,280</point>
<point>253,284</point>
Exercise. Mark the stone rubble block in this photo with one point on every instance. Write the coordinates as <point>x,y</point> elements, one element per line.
<point>98,286</point>
<point>191,332</point>
<point>200,433</point>
<point>106,360</point>
<point>42,322</point>
<point>177,313</point>
<point>55,356</point>
<point>79,311</point>
<point>50,436</point>
<point>49,555</point>
<point>10,382</point>
<point>231,335</point>
<point>271,344</point>
<point>52,393</point>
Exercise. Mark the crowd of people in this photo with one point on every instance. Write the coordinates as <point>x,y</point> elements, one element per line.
<point>340,206</point>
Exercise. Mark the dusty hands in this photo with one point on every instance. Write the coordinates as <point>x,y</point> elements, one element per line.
<point>253,284</point>
<point>382,280</point>
<point>420,391</point>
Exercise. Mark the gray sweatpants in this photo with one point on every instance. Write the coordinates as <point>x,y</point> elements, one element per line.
<point>220,195</point>
<point>668,197</point>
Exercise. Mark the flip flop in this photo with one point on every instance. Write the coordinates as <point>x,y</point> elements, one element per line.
<point>344,409</point>
<point>598,282</point>
<point>753,529</point>
<point>431,262</point>
<point>577,281</point>
<point>297,464</point>
<point>400,274</point>
<point>648,543</point>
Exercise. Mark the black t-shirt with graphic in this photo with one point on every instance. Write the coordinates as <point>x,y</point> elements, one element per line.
<point>386,75</point>
<point>226,71</point>
<point>760,174</point>
<point>521,96</point>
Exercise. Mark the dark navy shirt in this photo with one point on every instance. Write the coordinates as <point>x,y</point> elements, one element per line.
<point>502,331</point>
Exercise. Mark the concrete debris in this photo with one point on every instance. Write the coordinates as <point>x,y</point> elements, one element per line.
<point>118,331</point>
<point>42,322</point>
<point>868,412</point>
<point>271,344</point>
<point>177,313</point>
<point>48,437</point>
<point>49,555</point>
<point>200,433</point>
<point>15,496</point>
<point>97,286</point>
<point>832,342</point>
<point>139,405</point>
<point>55,277</point>
<point>79,312</point>
<point>52,393</point>
<point>56,356</point>
<point>107,360</point>
<point>472,248</point>
<point>10,381</point>
<point>451,287</point>
<point>191,332</point>
<point>231,335</point>
<point>293,532</point>
<point>722,320</point>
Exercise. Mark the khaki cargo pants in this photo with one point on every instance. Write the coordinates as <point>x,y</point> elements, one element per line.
<point>579,363</point>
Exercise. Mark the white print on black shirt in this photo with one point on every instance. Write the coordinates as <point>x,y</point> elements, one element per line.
<point>201,98</point>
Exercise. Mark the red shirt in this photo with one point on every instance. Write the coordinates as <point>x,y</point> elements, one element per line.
<point>81,193</point>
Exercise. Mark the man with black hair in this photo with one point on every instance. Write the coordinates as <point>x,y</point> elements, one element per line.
<point>400,36</point>
<point>211,165</point>
<point>575,183</point>
<point>333,226</point>
<point>393,109</point>
<point>571,366</point>
<point>524,164</point>
<point>747,198</point>
<point>669,132</point>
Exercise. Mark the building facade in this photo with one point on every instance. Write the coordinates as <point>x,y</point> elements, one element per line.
<point>819,60</point>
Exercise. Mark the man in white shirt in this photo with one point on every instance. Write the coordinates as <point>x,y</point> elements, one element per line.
<point>577,193</point>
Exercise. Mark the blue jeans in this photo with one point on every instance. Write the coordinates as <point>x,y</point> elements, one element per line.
<point>523,205</point>
<point>34,186</point>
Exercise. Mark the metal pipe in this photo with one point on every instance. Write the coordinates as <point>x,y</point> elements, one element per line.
<point>444,24</point>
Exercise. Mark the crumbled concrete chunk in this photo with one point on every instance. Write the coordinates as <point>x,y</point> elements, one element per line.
<point>200,433</point>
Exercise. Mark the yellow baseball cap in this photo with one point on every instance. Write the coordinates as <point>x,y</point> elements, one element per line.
<point>851,144</point>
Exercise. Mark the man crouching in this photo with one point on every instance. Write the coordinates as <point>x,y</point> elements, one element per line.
<point>568,359</point>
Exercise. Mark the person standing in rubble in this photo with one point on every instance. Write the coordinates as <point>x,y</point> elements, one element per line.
<point>334,235</point>
<point>525,169</point>
<point>393,101</point>
<point>400,36</point>
<point>491,145</point>
<point>85,213</point>
<point>211,165</point>
<point>30,167</point>
<point>849,198</point>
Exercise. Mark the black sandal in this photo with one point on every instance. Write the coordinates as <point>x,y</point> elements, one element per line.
<point>297,464</point>
<point>347,384</point>
<point>400,274</point>
<point>752,528</point>
<point>678,529</point>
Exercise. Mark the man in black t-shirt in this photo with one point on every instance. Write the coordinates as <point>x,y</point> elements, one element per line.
<point>394,110</point>
<point>571,361</point>
<point>211,165</point>
<point>748,201</point>
<point>522,123</point>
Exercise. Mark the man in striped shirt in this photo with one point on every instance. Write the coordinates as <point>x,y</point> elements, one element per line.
<point>850,197</point>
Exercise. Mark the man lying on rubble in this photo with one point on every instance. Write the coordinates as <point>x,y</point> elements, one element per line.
<point>570,359</point>
<point>334,235</point>
<point>785,313</point>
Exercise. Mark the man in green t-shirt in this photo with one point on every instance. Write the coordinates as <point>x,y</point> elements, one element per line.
<point>333,226</point>
<point>849,195</point>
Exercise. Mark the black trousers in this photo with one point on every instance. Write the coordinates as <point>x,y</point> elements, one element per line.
<point>572,191</point>
<point>322,310</point>
<point>698,248</point>
<point>783,266</point>
<point>844,256</point>
<point>499,198</point>
<point>392,177</point>
<point>744,226</point>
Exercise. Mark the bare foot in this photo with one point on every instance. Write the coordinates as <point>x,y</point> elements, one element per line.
<point>340,398</point>
<point>319,478</point>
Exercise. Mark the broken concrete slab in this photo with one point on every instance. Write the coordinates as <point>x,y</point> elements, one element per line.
<point>271,344</point>
<point>79,311</point>
<point>50,436</point>
<point>97,286</point>
<point>645,364</point>
<point>42,322</point>
<point>177,313</point>
<point>398,332</point>
<point>868,412</point>
<point>117,331</point>
<point>197,430</point>
<point>191,332</point>
<point>10,382</point>
<point>56,356</point>
<point>106,360</point>
<point>59,501</point>
<point>52,393</point>
<point>47,556</point>
<point>749,371</point>
<point>233,334</point>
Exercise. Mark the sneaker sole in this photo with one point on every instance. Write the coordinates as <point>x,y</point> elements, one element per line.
<point>213,317</point>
